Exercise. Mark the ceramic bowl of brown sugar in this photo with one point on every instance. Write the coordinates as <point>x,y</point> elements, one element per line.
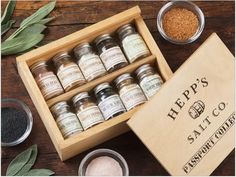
<point>180,22</point>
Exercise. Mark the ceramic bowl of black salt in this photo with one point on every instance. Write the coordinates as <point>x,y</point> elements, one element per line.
<point>16,122</point>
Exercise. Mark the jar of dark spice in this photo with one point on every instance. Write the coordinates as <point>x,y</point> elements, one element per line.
<point>89,63</point>
<point>46,80</point>
<point>149,81</point>
<point>109,102</point>
<point>68,72</point>
<point>110,53</point>
<point>86,110</point>
<point>130,92</point>
<point>132,43</point>
<point>67,121</point>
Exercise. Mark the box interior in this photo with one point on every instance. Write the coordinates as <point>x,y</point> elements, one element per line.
<point>63,146</point>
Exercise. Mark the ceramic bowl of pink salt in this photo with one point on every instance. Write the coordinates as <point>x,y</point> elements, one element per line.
<point>103,162</point>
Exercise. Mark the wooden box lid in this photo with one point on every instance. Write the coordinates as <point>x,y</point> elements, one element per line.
<point>189,124</point>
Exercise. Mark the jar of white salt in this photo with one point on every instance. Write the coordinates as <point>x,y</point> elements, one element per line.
<point>103,162</point>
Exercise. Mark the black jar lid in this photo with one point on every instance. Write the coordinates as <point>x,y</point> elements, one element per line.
<point>101,87</point>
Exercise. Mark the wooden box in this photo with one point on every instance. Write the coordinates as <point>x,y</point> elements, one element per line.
<point>67,148</point>
<point>192,131</point>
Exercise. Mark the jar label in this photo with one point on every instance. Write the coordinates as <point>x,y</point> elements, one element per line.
<point>134,47</point>
<point>151,84</point>
<point>69,75</point>
<point>132,96</point>
<point>112,57</point>
<point>49,84</point>
<point>69,124</point>
<point>110,106</point>
<point>90,116</point>
<point>91,66</point>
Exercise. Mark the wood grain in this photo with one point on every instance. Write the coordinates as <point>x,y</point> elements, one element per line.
<point>73,16</point>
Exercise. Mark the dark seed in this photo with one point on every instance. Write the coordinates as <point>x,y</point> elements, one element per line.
<point>13,124</point>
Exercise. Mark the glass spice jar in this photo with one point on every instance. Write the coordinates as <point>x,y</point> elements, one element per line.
<point>89,63</point>
<point>109,102</point>
<point>130,92</point>
<point>68,72</point>
<point>132,43</point>
<point>47,81</point>
<point>149,81</point>
<point>67,121</point>
<point>110,53</point>
<point>87,111</point>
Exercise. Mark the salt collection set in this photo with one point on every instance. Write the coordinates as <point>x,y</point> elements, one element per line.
<point>99,82</point>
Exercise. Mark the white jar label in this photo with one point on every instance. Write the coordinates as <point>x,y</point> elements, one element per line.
<point>90,116</point>
<point>132,96</point>
<point>69,124</point>
<point>91,66</point>
<point>110,106</point>
<point>49,84</point>
<point>151,84</point>
<point>69,75</point>
<point>112,57</point>
<point>134,47</point>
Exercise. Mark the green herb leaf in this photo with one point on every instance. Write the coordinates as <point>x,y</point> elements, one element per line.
<point>7,26</point>
<point>34,18</point>
<point>20,44</point>
<point>32,29</point>
<point>46,20</point>
<point>30,163</point>
<point>39,14</point>
<point>39,172</point>
<point>18,162</point>
<point>8,12</point>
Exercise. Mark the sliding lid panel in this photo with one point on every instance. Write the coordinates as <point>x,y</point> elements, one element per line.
<point>189,124</point>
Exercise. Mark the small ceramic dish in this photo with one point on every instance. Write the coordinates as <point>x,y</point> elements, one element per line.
<point>103,152</point>
<point>17,104</point>
<point>181,4</point>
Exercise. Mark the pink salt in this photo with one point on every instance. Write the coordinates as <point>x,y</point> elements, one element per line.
<point>104,166</point>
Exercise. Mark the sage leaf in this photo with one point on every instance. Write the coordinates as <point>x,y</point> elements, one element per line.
<point>39,14</point>
<point>7,26</point>
<point>34,18</point>
<point>39,172</point>
<point>8,12</point>
<point>20,44</point>
<point>32,29</point>
<point>46,20</point>
<point>30,163</point>
<point>18,162</point>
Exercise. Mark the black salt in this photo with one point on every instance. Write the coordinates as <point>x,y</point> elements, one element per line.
<point>13,124</point>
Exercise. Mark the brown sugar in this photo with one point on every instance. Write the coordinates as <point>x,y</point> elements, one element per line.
<point>180,23</point>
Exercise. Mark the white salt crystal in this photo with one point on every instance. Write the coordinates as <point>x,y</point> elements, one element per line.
<point>104,166</point>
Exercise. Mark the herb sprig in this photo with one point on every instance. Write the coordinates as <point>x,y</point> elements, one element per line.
<point>30,31</point>
<point>21,165</point>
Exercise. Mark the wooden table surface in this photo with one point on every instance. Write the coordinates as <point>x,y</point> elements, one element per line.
<point>73,16</point>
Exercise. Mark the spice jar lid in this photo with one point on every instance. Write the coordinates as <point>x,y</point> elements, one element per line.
<point>80,96</point>
<point>82,45</point>
<point>143,68</point>
<point>58,106</point>
<point>101,87</point>
<point>122,78</point>
<point>59,56</point>
<point>102,37</point>
<point>38,64</point>
<point>125,29</point>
